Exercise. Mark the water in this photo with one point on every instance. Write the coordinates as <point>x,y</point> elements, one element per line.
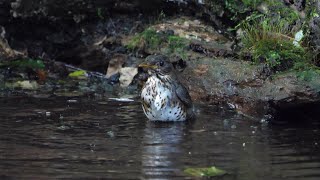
<point>90,138</point>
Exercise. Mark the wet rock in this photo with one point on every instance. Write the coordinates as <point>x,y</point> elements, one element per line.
<point>315,34</point>
<point>126,75</point>
<point>243,85</point>
<point>27,85</point>
<point>115,64</point>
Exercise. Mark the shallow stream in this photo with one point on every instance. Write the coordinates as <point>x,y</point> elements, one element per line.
<point>44,138</point>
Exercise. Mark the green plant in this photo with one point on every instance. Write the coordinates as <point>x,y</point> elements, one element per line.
<point>176,42</point>
<point>25,64</point>
<point>148,37</point>
<point>271,42</point>
<point>279,10</point>
<point>252,3</point>
<point>177,45</point>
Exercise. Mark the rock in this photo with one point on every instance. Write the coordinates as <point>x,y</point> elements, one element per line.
<point>244,86</point>
<point>126,75</point>
<point>6,52</point>
<point>115,64</point>
<point>27,85</point>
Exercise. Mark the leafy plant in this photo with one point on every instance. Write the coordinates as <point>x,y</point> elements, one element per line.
<point>271,42</point>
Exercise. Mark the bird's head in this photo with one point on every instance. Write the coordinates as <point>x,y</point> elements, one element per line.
<point>158,64</point>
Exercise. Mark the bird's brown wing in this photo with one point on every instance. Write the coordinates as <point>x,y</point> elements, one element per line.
<point>183,94</point>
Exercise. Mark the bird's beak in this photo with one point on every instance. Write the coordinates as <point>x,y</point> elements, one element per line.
<point>147,66</point>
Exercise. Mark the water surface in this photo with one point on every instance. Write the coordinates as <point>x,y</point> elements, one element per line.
<point>100,138</point>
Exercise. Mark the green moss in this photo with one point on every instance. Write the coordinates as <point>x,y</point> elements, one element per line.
<point>306,71</point>
<point>153,40</point>
<point>148,37</point>
<point>177,45</point>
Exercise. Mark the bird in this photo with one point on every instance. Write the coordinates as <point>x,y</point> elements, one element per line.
<point>163,96</point>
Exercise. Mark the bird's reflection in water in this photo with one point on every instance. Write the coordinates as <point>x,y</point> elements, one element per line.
<point>162,150</point>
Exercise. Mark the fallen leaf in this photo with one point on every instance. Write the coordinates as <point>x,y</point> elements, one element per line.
<point>78,74</point>
<point>205,172</point>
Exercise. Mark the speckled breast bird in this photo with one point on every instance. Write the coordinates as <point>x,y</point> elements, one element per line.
<point>163,97</point>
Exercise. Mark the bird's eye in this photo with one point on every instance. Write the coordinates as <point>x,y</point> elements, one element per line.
<point>161,63</point>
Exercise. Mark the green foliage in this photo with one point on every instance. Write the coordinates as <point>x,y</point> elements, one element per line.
<point>252,3</point>
<point>279,10</point>
<point>205,172</point>
<point>25,64</point>
<point>235,7</point>
<point>242,6</point>
<point>277,52</point>
<point>148,37</point>
<point>271,42</point>
<point>273,9</point>
<point>177,45</point>
<point>153,40</point>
